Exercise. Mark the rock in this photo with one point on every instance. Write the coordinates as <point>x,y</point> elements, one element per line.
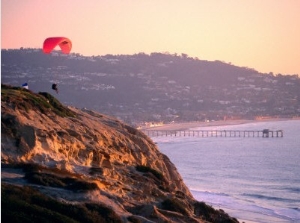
<point>99,158</point>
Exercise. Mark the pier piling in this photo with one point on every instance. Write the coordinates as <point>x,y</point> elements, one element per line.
<point>265,133</point>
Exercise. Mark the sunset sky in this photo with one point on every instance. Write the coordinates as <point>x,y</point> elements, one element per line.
<point>259,34</point>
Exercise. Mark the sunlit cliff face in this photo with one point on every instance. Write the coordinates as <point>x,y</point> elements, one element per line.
<point>80,142</point>
<point>91,158</point>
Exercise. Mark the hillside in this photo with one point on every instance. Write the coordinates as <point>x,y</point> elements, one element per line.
<point>156,87</point>
<point>63,164</point>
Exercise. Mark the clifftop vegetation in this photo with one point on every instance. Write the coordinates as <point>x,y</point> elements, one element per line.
<point>22,98</point>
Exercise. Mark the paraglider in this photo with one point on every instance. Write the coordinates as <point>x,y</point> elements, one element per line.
<point>64,43</point>
<point>50,43</point>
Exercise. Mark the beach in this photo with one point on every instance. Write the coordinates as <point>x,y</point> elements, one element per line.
<point>188,125</point>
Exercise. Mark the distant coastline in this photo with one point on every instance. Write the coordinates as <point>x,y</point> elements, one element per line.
<point>189,125</point>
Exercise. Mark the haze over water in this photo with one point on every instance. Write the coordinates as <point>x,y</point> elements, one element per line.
<point>254,179</point>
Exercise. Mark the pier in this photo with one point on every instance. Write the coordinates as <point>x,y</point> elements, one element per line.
<point>265,133</point>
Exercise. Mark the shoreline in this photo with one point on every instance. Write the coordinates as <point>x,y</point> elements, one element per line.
<point>188,125</point>
<point>234,211</point>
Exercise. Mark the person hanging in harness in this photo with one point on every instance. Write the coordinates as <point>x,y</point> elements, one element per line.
<point>54,87</point>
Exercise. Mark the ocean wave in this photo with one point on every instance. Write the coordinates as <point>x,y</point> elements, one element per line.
<point>213,198</point>
<point>293,189</point>
<point>254,211</point>
<point>271,198</point>
<point>291,214</point>
<point>207,192</point>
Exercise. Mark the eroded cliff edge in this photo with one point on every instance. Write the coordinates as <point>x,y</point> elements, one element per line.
<point>82,157</point>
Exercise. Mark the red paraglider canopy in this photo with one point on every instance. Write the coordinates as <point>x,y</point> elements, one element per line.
<point>64,43</point>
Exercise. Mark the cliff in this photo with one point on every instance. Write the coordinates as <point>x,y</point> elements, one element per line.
<point>88,166</point>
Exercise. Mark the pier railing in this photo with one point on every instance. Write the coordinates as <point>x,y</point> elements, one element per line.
<point>265,133</point>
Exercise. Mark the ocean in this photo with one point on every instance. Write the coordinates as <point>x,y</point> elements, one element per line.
<point>253,179</point>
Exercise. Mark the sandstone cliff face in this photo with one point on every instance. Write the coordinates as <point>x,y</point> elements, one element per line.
<point>129,173</point>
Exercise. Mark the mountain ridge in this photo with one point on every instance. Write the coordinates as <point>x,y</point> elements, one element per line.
<point>156,87</point>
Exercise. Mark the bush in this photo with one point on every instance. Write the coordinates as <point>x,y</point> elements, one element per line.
<point>133,219</point>
<point>174,205</point>
<point>44,179</point>
<point>51,180</point>
<point>24,204</point>
<point>57,107</point>
<point>146,169</point>
<point>27,100</point>
<point>208,213</point>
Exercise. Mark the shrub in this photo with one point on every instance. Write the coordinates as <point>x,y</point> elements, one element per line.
<point>208,213</point>
<point>174,205</point>
<point>27,100</point>
<point>58,108</point>
<point>44,179</point>
<point>24,204</point>
<point>133,219</point>
<point>146,169</point>
<point>52,180</point>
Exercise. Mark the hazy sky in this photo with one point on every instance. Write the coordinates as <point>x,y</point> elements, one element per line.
<point>259,34</point>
